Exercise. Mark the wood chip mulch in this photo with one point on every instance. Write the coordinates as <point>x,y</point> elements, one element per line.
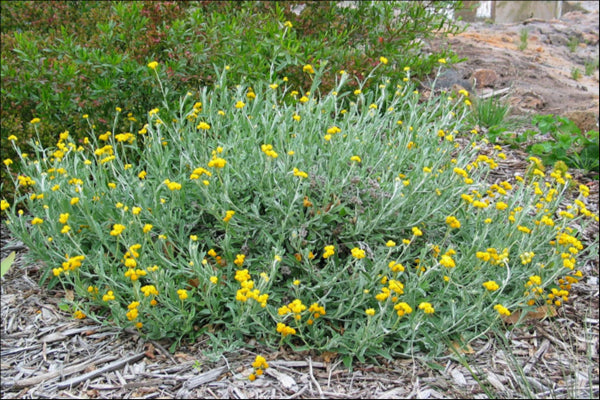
<point>45,353</point>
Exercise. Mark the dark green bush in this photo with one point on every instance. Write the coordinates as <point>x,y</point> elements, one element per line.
<point>62,60</point>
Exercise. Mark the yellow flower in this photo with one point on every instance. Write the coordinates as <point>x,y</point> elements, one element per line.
<point>491,286</point>
<point>74,200</point>
<point>108,296</point>
<point>228,215</point>
<point>149,290</point>
<point>4,205</point>
<point>285,330</point>
<point>214,280</point>
<point>329,251</point>
<point>502,310</point>
<point>203,125</point>
<point>358,253</point>
<point>172,185</point>
<point>182,293</point>
<point>453,222</point>
<point>370,312</point>
<point>152,65</point>
<point>383,60</point>
<point>355,158</point>
<point>79,314</point>
<point>299,173</point>
<point>240,104</point>
<point>403,309</point>
<point>416,231</point>
<point>287,24</point>
<point>390,243</point>
<point>217,162</point>
<point>35,121</point>
<point>442,61</point>
<point>427,308</point>
<point>308,68</point>
<point>239,260</point>
<point>7,162</point>
<point>447,261</point>
<point>117,229</point>
<point>36,221</point>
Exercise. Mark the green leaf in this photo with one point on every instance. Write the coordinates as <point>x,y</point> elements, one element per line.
<point>6,263</point>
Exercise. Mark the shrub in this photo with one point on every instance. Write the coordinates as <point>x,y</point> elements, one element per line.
<point>62,60</point>
<point>366,230</point>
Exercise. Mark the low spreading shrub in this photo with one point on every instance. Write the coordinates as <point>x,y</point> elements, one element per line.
<point>371,229</point>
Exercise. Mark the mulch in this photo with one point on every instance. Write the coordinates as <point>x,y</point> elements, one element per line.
<point>46,353</point>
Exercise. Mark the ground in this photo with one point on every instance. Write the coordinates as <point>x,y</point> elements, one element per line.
<point>45,353</point>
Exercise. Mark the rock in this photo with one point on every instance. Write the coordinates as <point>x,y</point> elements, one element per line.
<point>484,78</point>
<point>585,120</point>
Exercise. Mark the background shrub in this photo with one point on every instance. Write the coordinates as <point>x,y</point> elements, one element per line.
<point>62,60</point>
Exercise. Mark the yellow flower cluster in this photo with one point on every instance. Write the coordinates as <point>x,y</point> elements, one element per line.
<point>452,222</point>
<point>534,289</point>
<point>108,296</point>
<point>183,294</point>
<point>133,311</point>
<point>228,215</point>
<point>172,185</point>
<point>502,310</point>
<point>492,256</point>
<point>71,264</point>
<point>117,229</point>
<point>268,150</point>
<point>557,296</point>
<point>308,68</point>
<point>317,311</point>
<point>259,365</point>
<point>329,251</point>
<point>402,309</point>
<point>358,253</point>
<point>149,290</point>
<point>285,330</point>
<point>300,174</point>
<point>239,260</point>
<point>526,257</point>
<point>198,172</point>
<point>247,290</point>
<point>491,286</point>
<point>396,266</point>
<point>427,308</point>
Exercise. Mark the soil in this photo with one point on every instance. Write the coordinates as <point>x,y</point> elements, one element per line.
<point>46,353</point>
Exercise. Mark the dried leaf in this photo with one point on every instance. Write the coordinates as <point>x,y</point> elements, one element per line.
<point>329,356</point>
<point>546,311</point>
<point>149,350</point>
<point>462,348</point>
